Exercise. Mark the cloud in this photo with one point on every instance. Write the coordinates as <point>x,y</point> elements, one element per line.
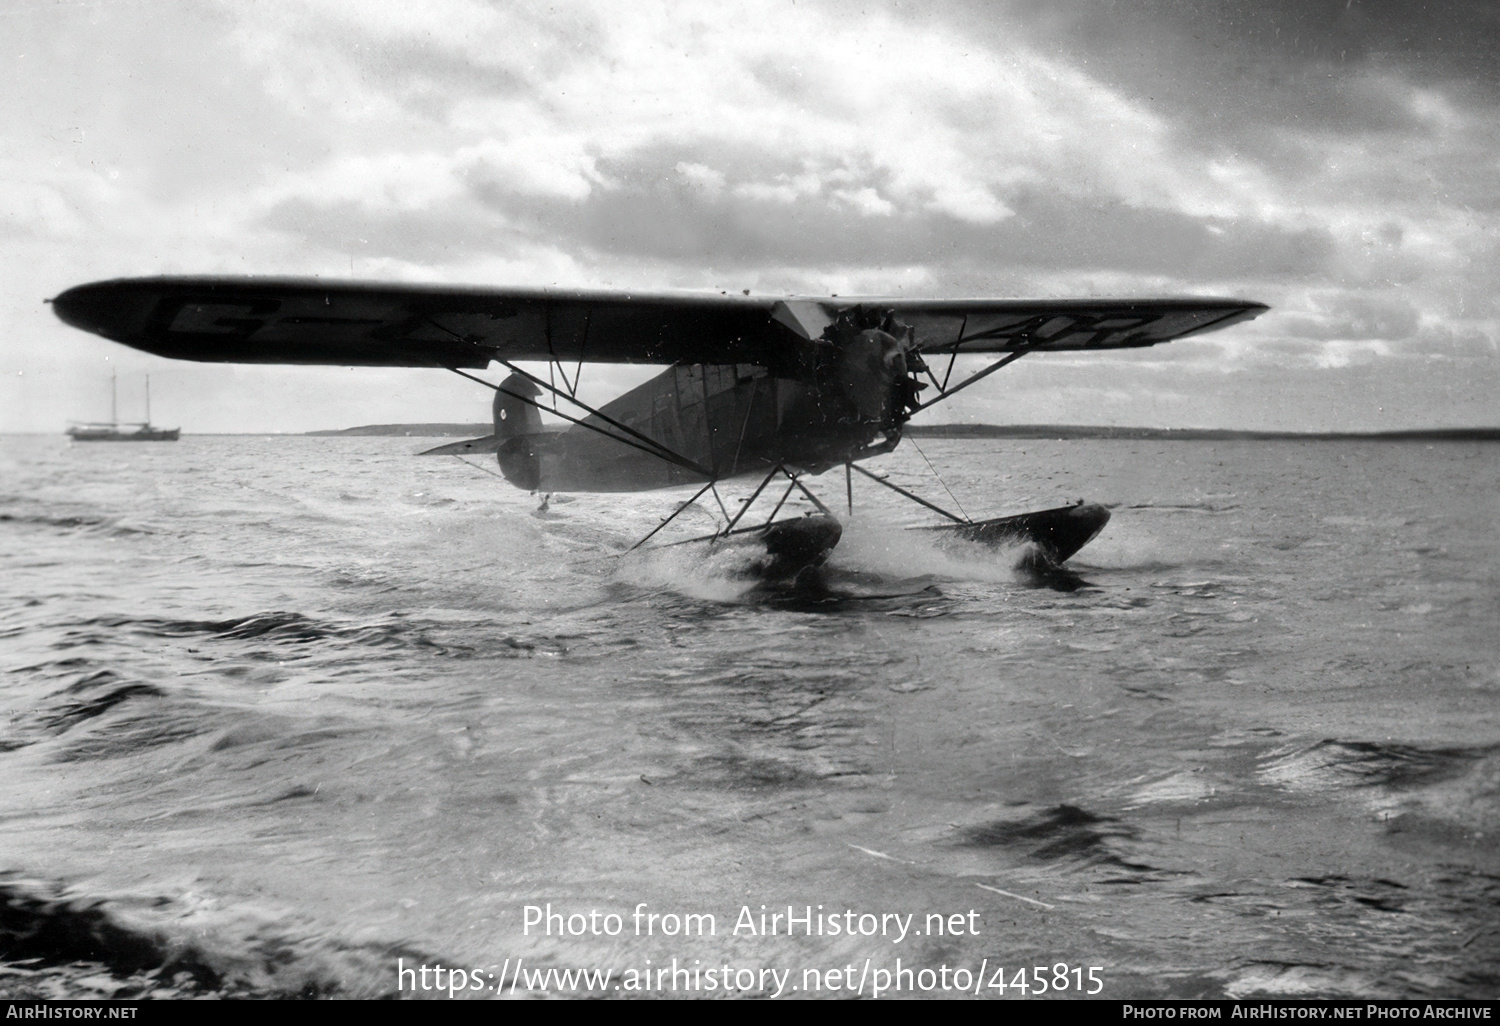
<point>701,177</point>
<point>1452,343</point>
<point>886,117</point>
<point>37,209</point>
<point>1334,160</point>
<point>1354,317</point>
<point>602,113</point>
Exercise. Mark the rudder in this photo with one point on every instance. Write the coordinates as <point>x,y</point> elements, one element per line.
<point>517,423</point>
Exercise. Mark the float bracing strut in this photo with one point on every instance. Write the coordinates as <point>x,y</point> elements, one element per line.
<point>914,498</point>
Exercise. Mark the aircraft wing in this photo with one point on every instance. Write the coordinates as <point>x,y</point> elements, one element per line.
<point>995,326</point>
<point>307,321</point>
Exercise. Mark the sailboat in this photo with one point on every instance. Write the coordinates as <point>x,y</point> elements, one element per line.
<point>114,431</point>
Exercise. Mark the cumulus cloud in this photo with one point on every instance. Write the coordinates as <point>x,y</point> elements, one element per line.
<point>701,177</point>
<point>1354,317</point>
<point>1447,342</point>
<point>883,116</point>
<point>37,209</point>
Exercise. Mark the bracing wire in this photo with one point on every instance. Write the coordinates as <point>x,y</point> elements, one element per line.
<point>476,466</point>
<point>939,477</point>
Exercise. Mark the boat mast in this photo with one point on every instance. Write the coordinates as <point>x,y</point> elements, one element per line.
<point>148,400</point>
<point>114,416</point>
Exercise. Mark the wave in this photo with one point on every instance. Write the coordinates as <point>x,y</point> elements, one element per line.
<point>56,943</point>
<point>75,522</point>
<point>1413,789</point>
<point>293,628</point>
<point>1069,834</point>
<point>1332,764</point>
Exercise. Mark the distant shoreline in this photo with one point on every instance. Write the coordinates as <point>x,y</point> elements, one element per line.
<point>1026,431</point>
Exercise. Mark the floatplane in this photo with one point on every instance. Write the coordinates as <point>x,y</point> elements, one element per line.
<point>758,389</point>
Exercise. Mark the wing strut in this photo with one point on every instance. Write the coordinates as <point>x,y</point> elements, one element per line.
<point>663,450</point>
<point>660,452</point>
<point>944,393</point>
<point>656,448</point>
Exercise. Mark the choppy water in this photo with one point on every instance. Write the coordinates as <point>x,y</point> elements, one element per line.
<point>280,711</point>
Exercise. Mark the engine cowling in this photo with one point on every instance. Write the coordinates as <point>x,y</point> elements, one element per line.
<point>875,364</point>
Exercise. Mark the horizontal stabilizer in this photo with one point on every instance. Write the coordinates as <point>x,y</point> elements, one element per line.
<point>489,443</point>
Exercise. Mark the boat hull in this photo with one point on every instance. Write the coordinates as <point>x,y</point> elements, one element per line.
<point>109,435</point>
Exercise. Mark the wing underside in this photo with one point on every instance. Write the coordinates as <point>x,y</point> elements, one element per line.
<point>266,320</point>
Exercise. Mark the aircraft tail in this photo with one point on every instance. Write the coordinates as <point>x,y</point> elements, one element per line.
<point>517,425</point>
<point>518,438</point>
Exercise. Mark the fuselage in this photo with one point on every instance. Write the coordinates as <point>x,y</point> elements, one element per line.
<point>834,402</point>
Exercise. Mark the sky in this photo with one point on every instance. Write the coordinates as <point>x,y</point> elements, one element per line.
<point>1338,160</point>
